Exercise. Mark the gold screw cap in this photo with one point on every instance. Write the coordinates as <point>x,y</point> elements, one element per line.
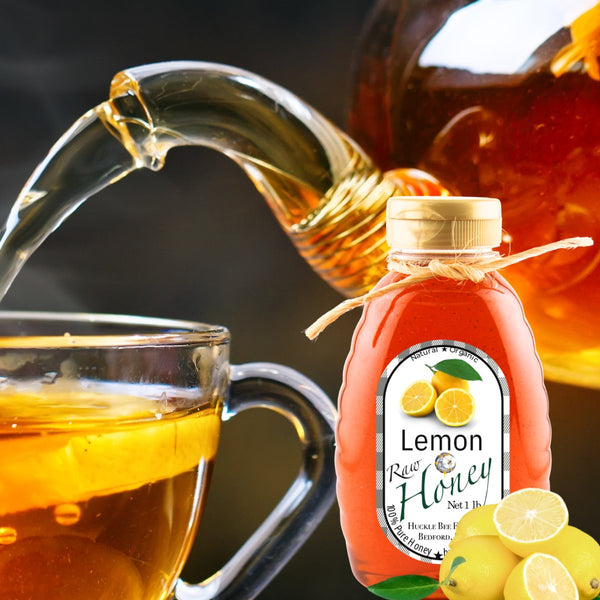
<point>443,222</point>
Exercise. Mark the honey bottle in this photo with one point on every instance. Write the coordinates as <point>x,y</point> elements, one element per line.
<point>443,406</point>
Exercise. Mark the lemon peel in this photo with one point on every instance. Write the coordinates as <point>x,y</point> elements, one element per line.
<point>580,554</point>
<point>487,565</point>
<point>442,381</point>
<point>478,521</point>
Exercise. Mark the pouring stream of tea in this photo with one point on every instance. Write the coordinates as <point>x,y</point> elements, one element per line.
<point>311,174</point>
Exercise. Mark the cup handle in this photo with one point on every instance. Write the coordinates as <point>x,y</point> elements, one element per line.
<point>306,406</point>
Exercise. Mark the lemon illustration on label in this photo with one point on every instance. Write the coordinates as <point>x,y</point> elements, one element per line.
<point>442,381</point>
<point>455,407</point>
<point>448,393</point>
<point>441,448</point>
<point>418,399</point>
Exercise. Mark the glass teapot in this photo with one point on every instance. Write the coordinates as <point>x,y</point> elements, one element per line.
<point>501,99</point>
<point>327,193</point>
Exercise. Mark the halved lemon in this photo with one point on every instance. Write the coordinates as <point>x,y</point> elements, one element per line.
<point>540,577</point>
<point>455,407</point>
<point>418,399</point>
<point>529,520</point>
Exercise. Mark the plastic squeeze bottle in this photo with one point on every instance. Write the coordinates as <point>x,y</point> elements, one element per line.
<point>443,406</point>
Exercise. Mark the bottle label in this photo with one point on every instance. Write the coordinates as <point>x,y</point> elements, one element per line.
<point>432,469</point>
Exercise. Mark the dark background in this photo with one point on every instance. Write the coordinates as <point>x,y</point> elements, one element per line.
<point>196,240</point>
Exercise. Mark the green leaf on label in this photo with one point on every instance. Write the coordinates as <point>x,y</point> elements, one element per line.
<point>411,587</point>
<point>458,368</point>
<point>405,587</point>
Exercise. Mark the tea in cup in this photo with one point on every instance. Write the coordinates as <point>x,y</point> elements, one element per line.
<point>109,428</point>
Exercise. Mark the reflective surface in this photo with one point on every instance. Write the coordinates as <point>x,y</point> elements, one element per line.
<point>111,424</point>
<point>112,428</point>
<point>501,99</point>
<point>325,192</point>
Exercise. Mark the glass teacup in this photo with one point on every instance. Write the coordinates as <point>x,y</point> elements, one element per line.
<point>109,427</point>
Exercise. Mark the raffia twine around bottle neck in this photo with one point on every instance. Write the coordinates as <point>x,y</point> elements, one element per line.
<point>459,270</point>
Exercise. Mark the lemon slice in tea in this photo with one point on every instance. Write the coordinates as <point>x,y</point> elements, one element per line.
<point>455,407</point>
<point>418,399</point>
<point>529,520</point>
<point>540,577</point>
<point>71,461</point>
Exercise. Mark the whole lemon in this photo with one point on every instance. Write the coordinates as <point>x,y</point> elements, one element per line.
<point>479,521</point>
<point>580,553</point>
<point>442,382</point>
<point>482,576</point>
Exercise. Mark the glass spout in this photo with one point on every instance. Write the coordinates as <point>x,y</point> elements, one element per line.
<point>324,190</point>
<point>269,132</point>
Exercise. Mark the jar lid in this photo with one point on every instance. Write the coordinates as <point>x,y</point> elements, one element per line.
<point>443,222</point>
